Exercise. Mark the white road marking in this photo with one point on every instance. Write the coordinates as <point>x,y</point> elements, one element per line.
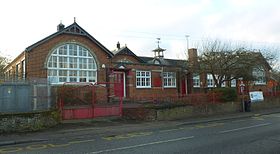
<point>242,128</point>
<point>142,145</point>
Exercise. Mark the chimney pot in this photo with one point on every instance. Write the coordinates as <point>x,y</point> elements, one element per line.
<point>118,45</point>
<point>60,27</point>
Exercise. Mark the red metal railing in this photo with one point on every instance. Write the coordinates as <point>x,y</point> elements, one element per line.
<point>86,100</point>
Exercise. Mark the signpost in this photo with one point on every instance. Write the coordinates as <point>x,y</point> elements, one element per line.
<point>242,90</point>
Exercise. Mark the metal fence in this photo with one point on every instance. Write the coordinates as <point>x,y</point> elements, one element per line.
<point>25,96</point>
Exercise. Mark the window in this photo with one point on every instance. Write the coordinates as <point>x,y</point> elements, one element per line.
<point>223,82</point>
<point>143,79</point>
<point>259,74</point>
<point>196,80</point>
<point>23,69</point>
<point>71,63</point>
<point>17,71</point>
<point>210,80</point>
<point>169,79</point>
<point>233,83</point>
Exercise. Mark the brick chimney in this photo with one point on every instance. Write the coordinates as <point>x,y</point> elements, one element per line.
<point>193,59</point>
<point>60,27</point>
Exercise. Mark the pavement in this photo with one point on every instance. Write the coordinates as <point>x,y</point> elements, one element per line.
<point>114,125</point>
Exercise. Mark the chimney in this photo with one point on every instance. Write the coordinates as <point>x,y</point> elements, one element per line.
<point>118,45</point>
<point>60,27</point>
<point>193,59</point>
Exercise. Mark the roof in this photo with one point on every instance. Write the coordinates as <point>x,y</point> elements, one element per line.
<point>167,62</point>
<point>126,51</point>
<point>74,29</point>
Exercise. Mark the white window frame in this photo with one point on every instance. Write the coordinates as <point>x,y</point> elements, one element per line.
<point>233,83</point>
<point>77,53</point>
<point>196,80</point>
<point>210,81</point>
<point>143,79</point>
<point>224,82</point>
<point>169,79</point>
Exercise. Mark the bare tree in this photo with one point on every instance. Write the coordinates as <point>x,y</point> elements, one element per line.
<point>226,62</point>
<point>3,62</point>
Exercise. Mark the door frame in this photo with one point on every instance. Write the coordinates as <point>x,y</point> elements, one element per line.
<point>124,81</point>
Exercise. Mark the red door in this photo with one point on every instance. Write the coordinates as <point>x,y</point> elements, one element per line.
<point>183,89</point>
<point>119,84</point>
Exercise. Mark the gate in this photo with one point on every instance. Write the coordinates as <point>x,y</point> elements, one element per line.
<point>87,100</point>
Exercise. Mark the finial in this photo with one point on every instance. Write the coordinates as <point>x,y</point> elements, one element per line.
<point>74,19</point>
<point>158,41</point>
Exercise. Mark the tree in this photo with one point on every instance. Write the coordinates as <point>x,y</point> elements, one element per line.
<point>226,62</point>
<point>3,62</point>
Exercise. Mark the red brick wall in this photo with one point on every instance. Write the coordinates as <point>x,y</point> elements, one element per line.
<point>155,90</point>
<point>38,56</point>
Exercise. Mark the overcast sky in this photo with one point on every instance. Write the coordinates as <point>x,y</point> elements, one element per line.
<point>137,23</point>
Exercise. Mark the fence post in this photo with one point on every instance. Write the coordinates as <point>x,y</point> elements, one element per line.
<point>34,97</point>
<point>93,99</point>
<point>121,106</point>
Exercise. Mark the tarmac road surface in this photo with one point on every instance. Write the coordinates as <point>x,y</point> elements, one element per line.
<point>256,134</point>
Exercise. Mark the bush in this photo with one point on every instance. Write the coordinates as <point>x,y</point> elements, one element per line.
<point>227,94</point>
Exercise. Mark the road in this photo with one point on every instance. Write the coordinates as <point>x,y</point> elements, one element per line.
<point>258,135</point>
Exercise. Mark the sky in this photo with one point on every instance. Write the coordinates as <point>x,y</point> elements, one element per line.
<point>138,24</point>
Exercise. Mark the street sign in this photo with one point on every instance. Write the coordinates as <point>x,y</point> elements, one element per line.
<point>256,96</point>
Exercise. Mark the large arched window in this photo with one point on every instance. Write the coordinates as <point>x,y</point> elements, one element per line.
<point>71,63</point>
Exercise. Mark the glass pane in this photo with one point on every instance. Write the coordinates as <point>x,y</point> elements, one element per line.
<point>148,83</point>
<point>84,53</point>
<point>92,74</point>
<point>62,50</point>
<point>83,73</point>
<point>91,64</point>
<point>62,62</point>
<point>62,79</point>
<point>91,80</point>
<point>54,61</point>
<point>83,80</point>
<point>72,73</point>
<point>52,73</point>
<point>50,62</point>
<point>73,79</point>
<point>147,73</point>
<point>62,73</point>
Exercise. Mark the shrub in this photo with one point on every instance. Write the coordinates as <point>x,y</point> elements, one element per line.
<point>227,94</point>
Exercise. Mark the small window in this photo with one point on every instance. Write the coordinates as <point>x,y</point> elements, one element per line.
<point>143,79</point>
<point>169,79</point>
<point>233,83</point>
<point>196,80</point>
<point>210,80</point>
